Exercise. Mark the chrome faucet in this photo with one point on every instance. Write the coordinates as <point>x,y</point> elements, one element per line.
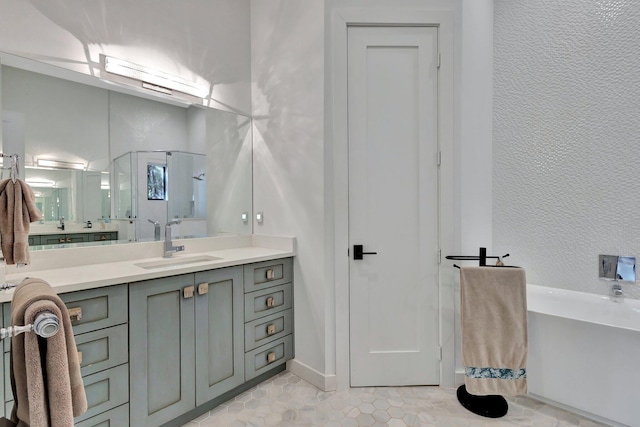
<point>156,233</point>
<point>61,226</point>
<point>169,249</point>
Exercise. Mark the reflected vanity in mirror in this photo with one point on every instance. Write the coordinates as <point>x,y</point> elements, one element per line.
<point>71,118</point>
<point>618,268</point>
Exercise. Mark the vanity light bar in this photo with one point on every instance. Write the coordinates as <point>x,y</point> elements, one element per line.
<point>153,77</point>
<point>47,184</point>
<point>45,163</point>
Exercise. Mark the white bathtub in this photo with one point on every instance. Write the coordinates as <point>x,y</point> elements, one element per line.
<point>584,353</point>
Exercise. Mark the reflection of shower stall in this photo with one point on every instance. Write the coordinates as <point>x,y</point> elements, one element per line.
<point>159,185</point>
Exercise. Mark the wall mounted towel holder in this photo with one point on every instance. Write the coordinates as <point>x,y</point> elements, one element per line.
<point>46,325</point>
<point>491,406</point>
<point>14,167</point>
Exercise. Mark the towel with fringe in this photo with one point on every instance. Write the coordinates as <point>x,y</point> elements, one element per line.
<point>493,312</point>
<point>17,210</point>
<point>45,373</point>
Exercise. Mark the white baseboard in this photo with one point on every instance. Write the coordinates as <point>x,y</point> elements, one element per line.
<point>322,381</point>
<point>459,377</point>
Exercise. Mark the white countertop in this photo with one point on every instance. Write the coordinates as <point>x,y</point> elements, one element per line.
<point>93,274</point>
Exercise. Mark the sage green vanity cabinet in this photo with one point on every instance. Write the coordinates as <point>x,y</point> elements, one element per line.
<point>99,318</point>
<point>186,342</point>
<point>268,314</point>
<point>55,239</point>
<point>160,352</point>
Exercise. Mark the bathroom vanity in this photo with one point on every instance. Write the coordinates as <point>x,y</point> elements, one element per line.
<point>163,340</point>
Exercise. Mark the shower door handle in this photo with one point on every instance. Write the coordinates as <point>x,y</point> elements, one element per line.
<point>358,252</point>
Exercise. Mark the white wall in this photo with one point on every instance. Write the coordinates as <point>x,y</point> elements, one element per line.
<point>228,173</point>
<point>566,152</point>
<point>58,119</point>
<point>137,124</point>
<point>287,74</point>
<point>293,168</point>
<point>198,40</point>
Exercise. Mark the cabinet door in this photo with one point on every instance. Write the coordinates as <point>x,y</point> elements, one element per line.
<point>161,321</point>
<point>219,332</point>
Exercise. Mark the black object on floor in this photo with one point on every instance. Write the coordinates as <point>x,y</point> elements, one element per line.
<point>491,406</point>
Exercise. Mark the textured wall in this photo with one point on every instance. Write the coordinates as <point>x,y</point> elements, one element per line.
<point>566,127</point>
<point>287,65</point>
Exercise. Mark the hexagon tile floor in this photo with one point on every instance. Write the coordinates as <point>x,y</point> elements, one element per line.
<point>286,400</point>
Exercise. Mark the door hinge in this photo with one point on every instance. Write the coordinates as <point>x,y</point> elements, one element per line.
<point>439,60</point>
<point>439,256</point>
<point>440,353</point>
<point>439,158</point>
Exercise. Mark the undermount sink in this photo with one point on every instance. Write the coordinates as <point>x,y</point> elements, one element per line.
<point>175,262</point>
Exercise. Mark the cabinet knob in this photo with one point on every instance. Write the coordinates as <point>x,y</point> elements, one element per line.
<point>271,274</point>
<point>103,237</point>
<point>68,239</point>
<point>188,291</point>
<point>271,329</point>
<point>61,240</point>
<point>271,302</point>
<point>203,288</point>
<point>75,314</point>
<point>271,357</point>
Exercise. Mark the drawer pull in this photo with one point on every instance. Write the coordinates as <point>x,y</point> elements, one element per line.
<point>68,239</point>
<point>188,291</point>
<point>103,237</point>
<point>75,314</point>
<point>203,288</point>
<point>271,302</point>
<point>271,357</point>
<point>271,329</point>
<point>271,274</point>
<point>61,240</point>
<point>80,357</point>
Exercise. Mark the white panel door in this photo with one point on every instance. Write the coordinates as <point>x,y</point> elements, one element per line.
<point>393,205</point>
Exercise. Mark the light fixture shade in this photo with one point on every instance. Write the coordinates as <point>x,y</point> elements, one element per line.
<point>155,80</point>
<point>46,163</point>
<point>40,183</point>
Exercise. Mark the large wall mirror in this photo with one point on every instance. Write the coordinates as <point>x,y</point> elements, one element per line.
<point>111,162</point>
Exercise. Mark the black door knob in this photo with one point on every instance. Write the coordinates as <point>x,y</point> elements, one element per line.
<point>358,252</point>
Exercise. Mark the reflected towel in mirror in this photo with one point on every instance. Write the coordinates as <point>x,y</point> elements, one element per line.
<point>17,210</point>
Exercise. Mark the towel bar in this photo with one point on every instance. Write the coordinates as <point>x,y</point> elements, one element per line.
<point>46,325</point>
<point>491,406</point>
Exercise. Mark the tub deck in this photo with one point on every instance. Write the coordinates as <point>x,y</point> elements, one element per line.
<point>583,353</point>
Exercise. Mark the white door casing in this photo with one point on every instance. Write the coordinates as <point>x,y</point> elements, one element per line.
<point>393,205</point>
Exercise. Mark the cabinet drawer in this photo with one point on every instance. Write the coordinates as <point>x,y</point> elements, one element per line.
<point>117,417</point>
<point>265,274</point>
<point>267,301</point>
<point>106,390</point>
<point>103,349</point>
<point>268,356</point>
<point>98,237</point>
<point>100,308</point>
<point>266,329</point>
